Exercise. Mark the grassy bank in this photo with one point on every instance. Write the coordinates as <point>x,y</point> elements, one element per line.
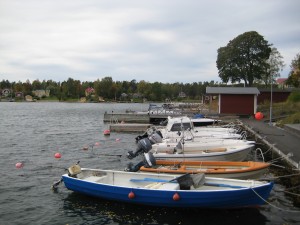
<point>282,113</point>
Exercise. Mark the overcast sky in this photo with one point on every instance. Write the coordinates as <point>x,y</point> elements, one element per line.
<point>153,40</point>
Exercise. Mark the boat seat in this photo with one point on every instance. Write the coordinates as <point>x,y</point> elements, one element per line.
<point>163,186</point>
<point>94,178</point>
<point>169,186</point>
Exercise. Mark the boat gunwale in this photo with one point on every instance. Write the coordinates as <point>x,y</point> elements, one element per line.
<point>251,166</point>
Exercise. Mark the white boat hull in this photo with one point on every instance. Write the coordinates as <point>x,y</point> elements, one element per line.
<point>232,154</point>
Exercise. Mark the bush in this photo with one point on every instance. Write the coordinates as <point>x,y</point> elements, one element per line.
<point>292,119</point>
<point>294,97</point>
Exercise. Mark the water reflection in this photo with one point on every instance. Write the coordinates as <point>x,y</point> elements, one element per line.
<point>91,211</point>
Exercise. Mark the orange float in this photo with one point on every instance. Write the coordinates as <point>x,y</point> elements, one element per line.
<point>259,115</point>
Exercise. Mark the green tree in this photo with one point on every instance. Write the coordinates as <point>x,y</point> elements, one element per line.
<point>106,88</point>
<point>144,88</point>
<point>27,88</point>
<point>275,64</point>
<point>36,85</point>
<point>294,76</point>
<point>244,58</point>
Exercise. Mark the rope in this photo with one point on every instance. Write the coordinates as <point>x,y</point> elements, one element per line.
<point>276,207</point>
<point>274,178</point>
<point>288,192</point>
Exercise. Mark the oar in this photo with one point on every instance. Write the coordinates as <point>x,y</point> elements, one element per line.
<point>185,181</point>
<point>148,179</point>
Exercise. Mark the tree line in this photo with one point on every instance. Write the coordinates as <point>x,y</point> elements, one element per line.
<point>247,60</point>
<point>112,90</point>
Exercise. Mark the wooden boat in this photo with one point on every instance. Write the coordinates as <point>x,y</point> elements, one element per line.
<point>237,170</point>
<point>165,190</point>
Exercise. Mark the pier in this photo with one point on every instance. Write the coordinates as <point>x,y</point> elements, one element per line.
<point>129,127</point>
<point>283,141</point>
<point>152,118</point>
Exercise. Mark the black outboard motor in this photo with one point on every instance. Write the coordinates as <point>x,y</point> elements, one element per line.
<point>148,161</point>
<point>140,137</point>
<point>143,146</point>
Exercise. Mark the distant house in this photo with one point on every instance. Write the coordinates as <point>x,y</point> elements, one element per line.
<point>182,95</point>
<point>235,100</point>
<point>19,94</point>
<point>278,95</point>
<point>124,96</point>
<point>28,98</point>
<point>101,99</point>
<point>89,91</point>
<point>6,92</point>
<point>41,93</point>
<point>137,95</point>
<point>281,82</point>
<point>82,99</point>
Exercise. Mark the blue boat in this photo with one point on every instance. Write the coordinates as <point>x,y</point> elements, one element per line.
<point>163,190</point>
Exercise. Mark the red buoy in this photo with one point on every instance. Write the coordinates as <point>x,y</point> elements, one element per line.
<point>57,155</point>
<point>259,115</point>
<point>176,197</point>
<point>106,132</point>
<point>19,165</point>
<point>131,195</point>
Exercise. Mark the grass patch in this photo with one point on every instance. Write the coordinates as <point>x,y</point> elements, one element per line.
<point>283,112</point>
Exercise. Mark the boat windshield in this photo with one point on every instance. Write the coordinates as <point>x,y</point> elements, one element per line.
<point>177,126</point>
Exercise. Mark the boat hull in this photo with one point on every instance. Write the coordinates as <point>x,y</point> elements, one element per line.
<point>214,198</point>
<point>234,155</point>
<point>236,170</point>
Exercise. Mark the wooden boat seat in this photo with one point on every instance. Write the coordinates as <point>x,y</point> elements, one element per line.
<point>163,186</point>
<point>169,186</point>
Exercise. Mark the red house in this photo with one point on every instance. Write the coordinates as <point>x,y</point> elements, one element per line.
<point>235,100</point>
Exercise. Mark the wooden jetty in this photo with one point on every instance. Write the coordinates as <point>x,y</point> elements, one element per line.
<point>136,117</point>
<point>129,127</point>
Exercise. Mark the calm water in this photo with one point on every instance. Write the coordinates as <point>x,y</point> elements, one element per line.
<point>32,133</point>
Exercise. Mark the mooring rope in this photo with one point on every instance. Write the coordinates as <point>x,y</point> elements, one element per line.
<point>288,175</point>
<point>288,192</point>
<point>269,203</point>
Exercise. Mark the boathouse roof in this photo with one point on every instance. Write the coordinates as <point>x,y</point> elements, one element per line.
<point>232,90</point>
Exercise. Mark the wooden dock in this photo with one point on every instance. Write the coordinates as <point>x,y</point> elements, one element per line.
<point>129,127</point>
<point>136,118</point>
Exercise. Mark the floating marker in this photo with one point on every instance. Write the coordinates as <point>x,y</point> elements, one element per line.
<point>57,155</point>
<point>106,132</point>
<point>19,165</point>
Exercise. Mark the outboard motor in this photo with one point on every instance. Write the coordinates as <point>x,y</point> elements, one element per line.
<point>140,137</point>
<point>155,137</point>
<point>149,161</point>
<point>143,146</point>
